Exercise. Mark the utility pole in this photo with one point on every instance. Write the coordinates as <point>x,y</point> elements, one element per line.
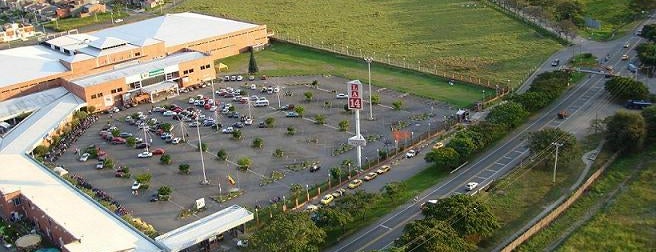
<point>558,145</point>
<point>371,109</point>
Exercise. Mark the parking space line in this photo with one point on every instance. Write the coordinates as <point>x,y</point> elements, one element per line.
<point>507,157</point>
<point>483,178</point>
<point>497,163</point>
<point>385,226</point>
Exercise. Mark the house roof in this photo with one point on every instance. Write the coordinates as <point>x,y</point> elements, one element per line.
<point>175,29</point>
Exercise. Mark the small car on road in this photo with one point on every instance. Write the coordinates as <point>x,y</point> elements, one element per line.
<point>471,185</point>
<point>355,184</point>
<point>327,199</point>
<point>145,154</point>
<point>383,169</point>
<point>84,157</point>
<point>370,176</point>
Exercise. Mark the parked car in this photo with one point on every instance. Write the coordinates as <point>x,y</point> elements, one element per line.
<point>240,78</point>
<point>292,114</point>
<point>338,193</point>
<point>228,130</point>
<point>238,125</point>
<point>315,168</point>
<point>141,146</point>
<point>383,169</point>
<point>261,125</point>
<point>327,199</point>
<point>555,62</point>
<point>145,154</point>
<point>226,78</point>
<point>118,140</point>
<point>194,124</point>
<point>176,140</point>
<point>625,57</point>
<point>169,113</point>
<point>158,151</point>
<point>410,154</point>
<point>471,185</point>
<point>438,145</point>
<point>370,176</point>
<point>233,78</point>
<point>355,184</point>
<point>135,185</point>
<point>341,96</point>
<point>84,157</point>
<point>100,165</point>
<point>251,78</point>
<point>125,134</point>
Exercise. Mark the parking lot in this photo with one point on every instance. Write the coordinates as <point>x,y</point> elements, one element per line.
<point>311,143</point>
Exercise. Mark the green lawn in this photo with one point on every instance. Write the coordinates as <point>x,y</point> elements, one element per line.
<point>614,16</point>
<point>584,60</point>
<point>415,184</point>
<point>74,23</point>
<point>627,224</point>
<point>281,59</point>
<point>460,36</point>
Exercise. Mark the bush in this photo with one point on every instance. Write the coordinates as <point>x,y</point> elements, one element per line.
<point>165,159</point>
<point>258,143</point>
<point>269,122</point>
<point>109,164</point>
<point>320,119</point>
<point>144,178</point>
<point>511,114</point>
<point>244,163</point>
<point>202,147</point>
<point>165,190</point>
<point>397,105</point>
<point>236,134</point>
<point>131,141</point>
<point>41,151</point>
<point>222,154</point>
<point>291,131</point>
<point>627,88</point>
<point>278,153</point>
<point>394,189</point>
<point>308,96</point>
<point>300,110</point>
<point>184,168</point>
<point>343,125</point>
<point>166,127</point>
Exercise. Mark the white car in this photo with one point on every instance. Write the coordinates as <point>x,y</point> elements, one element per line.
<point>276,89</point>
<point>145,154</point>
<point>411,154</point>
<point>192,100</point>
<point>213,108</point>
<point>253,86</point>
<point>248,122</point>
<point>471,185</point>
<point>341,96</point>
<point>176,140</point>
<point>84,157</point>
<point>228,130</point>
<point>240,78</point>
<point>118,20</point>
<point>251,78</point>
<point>169,113</point>
<point>135,185</point>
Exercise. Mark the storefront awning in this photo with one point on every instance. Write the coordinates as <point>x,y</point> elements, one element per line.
<point>160,87</point>
<point>223,67</point>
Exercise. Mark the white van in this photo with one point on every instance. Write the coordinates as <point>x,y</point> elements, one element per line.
<point>261,103</point>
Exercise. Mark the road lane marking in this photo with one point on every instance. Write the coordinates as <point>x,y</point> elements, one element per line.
<point>388,228</point>
<point>497,163</point>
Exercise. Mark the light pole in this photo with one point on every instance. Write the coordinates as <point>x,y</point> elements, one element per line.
<point>307,192</point>
<point>202,161</point>
<point>558,145</point>
<point>371,108</point>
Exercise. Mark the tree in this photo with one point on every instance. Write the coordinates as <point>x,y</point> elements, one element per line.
<point>116,132</point>
<point>131,141</point>
<point>202,147</point>
<point>144,179</point>
<point>626,88</point>
<point>541,141</point>
<point>91,109</point>
<point>375,99</point>
<point>511,114</point>
<point>288,232</point>
<point>394,189</point>
<point>258,143</point>
<point>236,134</point>
<point>269,122</point>
<point>184,168</point>
<point>647,52</point>
<point>166,127</point>
<point>638,6</point>
<point>649,114</point>
<point>336,172</point>
<point>244,163</point>
<point>567,27</point>
<point>445,158</point>
<point>331,217</point>
<point>80,115</point>
<point>222,154</point>
<point>464,146</point>
<point>358,203</point>
<point>308,96</point>
<point>430,235</point>
<point>295,189</point>
<point>343,125</point>
<point>108,163</point>
<point>320,119</point>
<point>291,131</point>
<point>252,65</point>
<point>315,83</point>
<point>626,131</point>
<point>649,32</point>
<point>165,159</point>
<point>474,217</point>
<point>300,110</point>
<point>40,151</point>
<point>397,105</point>
<point>531,101</point>
<point>569,10</point>
<point>164,192</point>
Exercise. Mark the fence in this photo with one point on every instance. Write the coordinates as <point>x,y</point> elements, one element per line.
<point>546,220</point>
<point>543,27</point>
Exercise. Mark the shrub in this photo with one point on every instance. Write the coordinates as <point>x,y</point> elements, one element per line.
<point>258,143</point>
<point>291,131</point>
<point>320,119</point>
<point>184,168</point>
<point>165,159</point>
<point>244,163</point>
<point>269,122</point>
<point>397,105</point>
<point>343,125</point>
<point>222,154</point>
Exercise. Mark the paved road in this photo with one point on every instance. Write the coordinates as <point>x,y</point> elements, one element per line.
<point>584,102</point>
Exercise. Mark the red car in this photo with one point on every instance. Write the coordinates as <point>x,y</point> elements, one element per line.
<point>177,110</point>
<point>158,151</point>
<point>207,106</point>
<point>118,140</point>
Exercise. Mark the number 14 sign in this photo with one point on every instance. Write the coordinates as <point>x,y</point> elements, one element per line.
<point>354,94</point>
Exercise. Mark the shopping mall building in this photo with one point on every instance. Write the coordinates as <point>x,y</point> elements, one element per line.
<point>114,66</point>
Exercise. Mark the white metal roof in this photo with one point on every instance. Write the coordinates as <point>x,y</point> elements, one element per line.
<point>72,41</point>
<point>106,42</point>
<point>173,59</point>
<point>13,107</point>
<point>28,133</point>
<point>197,231</point>
<point>96,229</point>
<point>27,63</point>
<point>175,29</point>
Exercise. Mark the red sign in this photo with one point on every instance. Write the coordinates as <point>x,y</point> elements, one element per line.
<point>355,103</point>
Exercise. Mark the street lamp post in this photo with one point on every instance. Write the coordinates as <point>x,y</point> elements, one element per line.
<point>371,109</point>
<point>307,191</point>
<point>202,161</point>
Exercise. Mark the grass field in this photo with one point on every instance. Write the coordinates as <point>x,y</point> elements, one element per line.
<point>282,59</point>
<point>457,35</point>
<point>74,23</point>
<point>615,16</point>
<point>627,223</point>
